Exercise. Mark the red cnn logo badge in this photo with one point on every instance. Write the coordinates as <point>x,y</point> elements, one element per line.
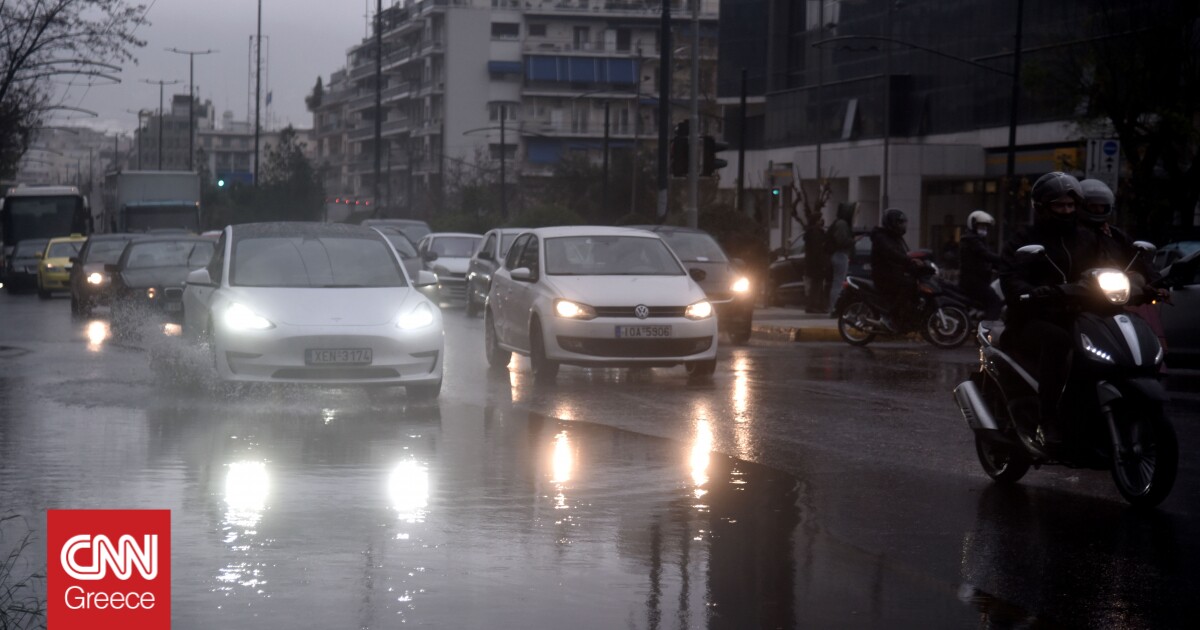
<point>108,569</point>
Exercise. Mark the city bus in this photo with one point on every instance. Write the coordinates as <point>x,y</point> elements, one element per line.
<point>40,212</point>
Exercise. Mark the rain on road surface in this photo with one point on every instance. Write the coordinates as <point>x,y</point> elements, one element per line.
<point>808,485</point>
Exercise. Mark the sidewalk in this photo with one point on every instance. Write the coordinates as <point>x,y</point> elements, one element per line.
<point>777,323</point>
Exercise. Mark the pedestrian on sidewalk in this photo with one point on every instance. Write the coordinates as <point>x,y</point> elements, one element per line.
<point>816,264</point>
<point>840,239</point>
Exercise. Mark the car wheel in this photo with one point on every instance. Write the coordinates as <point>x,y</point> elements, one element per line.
<point>544,370</point>
<point>423,392</point>
<point>472,305</point>
<point>42,293</point>
<point>497,357</point>
<point>701,369</point>
<point>741,337</point>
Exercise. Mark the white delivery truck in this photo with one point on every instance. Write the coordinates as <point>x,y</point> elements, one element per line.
<point>142,201</point>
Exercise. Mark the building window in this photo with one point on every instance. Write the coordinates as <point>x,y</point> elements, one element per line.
<point>505,30</point>
<point>537,30</point>
<point>510,111</point>
<point>582,38</point>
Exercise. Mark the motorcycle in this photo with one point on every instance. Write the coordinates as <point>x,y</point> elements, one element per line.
<point>1111,410</point>
<point>940,319</point>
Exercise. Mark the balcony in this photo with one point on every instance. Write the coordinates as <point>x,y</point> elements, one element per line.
<point>583,129</point>
<point>394,127</point>
<point>363,131</point>
<point>403,90</point>
<point>709,9</point>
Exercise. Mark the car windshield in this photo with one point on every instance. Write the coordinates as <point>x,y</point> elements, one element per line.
<point>28,249</point>
<point>609,256</point>
<point>454,246</point>
<point>506,241</point>
<point>403,246</point>
<point>105,252</point>
<point>694,247</point>
<point>414,232</point>
<point>190,254</point>
<point>314,262</point>
<point>63,250</point>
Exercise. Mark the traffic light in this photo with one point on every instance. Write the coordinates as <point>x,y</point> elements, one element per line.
<point>220,183</point>
<point>775,191</point>
<point>679,151</point>
<point>710,162</point>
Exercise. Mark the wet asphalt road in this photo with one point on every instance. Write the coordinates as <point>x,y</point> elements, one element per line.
<point>809,485</point>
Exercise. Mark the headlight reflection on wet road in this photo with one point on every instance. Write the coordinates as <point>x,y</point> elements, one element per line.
<point>97,333</point>
<point>699,459</point>
<point>408,490</point>
<point>246,489</point>
<point>562,466</point>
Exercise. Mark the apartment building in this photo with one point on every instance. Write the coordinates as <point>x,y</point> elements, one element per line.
<point>468,83</point>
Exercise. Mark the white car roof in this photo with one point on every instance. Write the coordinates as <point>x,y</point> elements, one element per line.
<point>453,234</point>
<point>591,230</point>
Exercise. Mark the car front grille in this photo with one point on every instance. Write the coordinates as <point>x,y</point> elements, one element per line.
<point>334,373</point>
<point>629,311</point>
<point>639,348</point>
<point>173,293</point>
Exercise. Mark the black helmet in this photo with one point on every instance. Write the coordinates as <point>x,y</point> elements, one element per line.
<point>1096,192</point>
<point>1051,186</point>
<point>895,222</point>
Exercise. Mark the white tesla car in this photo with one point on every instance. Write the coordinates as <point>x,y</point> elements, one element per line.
<point>314,303</point>
<point>597,296</point>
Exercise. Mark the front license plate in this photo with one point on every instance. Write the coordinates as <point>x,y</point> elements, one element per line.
<point>174,307</point>
<point>338,356</point>
<point>624,332</point>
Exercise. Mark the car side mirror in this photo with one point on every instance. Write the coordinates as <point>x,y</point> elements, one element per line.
<point>486,255</point>
<point>199,277</point>
<point>73,259</point>
<point>429,256</point>
<point>698,274</point>
<point>38,255</point>
<point>112,268</point>
<point>524,274</point>
<point>1031,250</point>
<point>425,278</point>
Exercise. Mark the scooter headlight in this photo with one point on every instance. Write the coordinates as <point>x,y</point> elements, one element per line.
<point>741,285</point>
<point>1115,285</point>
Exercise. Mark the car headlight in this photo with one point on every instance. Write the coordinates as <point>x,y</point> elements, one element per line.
<point>49,267</point>
<point>1115,285</point>
<point>699,310</point>
<point>239,317</point>
<point>151,293</point>
<point>419,317</point>
<point>741,285</point>
<point>573,310</point>
<point>95,278</point>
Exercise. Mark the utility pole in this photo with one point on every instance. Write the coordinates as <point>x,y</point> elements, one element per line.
<point>741,178</point>
<point>191,100</point>
<point>604,188</point>
<point>257,89</point>
<point>887,113</point>
<point>664,107</point>
<point>160,85</point>
<point>378,102</point>
<point>1008,218</point>
<point>693,211</point>
<point>503,182</point>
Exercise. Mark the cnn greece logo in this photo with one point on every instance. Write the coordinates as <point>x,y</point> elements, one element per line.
<point>123,557</point>
<point>113,569</point>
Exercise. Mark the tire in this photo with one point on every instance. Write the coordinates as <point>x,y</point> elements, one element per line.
<point>1145,478</point>
<point>1004,463</point>
<point>473,307</point>
<point>423,392</point>
<point>701,369</point>
<point>947,327</point>
<point>42,293</point>
<point>497,357</point>
<point>741,337</point>
<point>544,370</point>
<point>851,325</point>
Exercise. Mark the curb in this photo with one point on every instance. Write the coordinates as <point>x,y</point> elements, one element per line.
<point>795,334</point>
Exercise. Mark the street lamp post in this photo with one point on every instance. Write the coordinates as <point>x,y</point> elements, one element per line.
<point>191,100</point>
<point>160,84</point>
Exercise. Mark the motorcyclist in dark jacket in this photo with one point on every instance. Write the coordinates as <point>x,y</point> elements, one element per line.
<point>978,263</point>
<point>892,269</point>
<point>1115,247</point>
<point>1039,325</point>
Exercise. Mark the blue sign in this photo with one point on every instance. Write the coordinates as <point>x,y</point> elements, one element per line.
<point>1109,147</point>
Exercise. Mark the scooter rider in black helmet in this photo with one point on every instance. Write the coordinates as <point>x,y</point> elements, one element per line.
<point>1038,328</point>
<point>1115,246</point>
<point>891,268</point>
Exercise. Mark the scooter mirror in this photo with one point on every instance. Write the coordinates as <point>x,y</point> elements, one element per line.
<point>1145,246</point>
<point>1031,249</point>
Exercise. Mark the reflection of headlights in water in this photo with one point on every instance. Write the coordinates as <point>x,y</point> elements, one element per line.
<point>97,333</point>
<point>700,455</point>
<point>562,462</point>
<point>408,489</point>
<point>246,487</point>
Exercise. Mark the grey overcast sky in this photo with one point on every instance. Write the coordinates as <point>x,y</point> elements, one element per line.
<point>306,39</point>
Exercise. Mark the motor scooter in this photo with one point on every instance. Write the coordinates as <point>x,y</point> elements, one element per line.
<point>1111,410</point>
<point>940,318</point>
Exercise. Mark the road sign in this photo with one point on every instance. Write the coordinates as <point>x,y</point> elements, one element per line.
<point>1104,160</point>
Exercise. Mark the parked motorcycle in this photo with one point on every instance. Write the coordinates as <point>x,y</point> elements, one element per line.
<point>939,318</point>
<point>1111,410</point>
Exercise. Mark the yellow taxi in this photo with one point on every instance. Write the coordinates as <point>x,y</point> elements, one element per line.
<point>54,268</point>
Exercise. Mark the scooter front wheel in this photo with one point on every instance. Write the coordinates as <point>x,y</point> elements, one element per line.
<point>853,324</point>
<point>1146,471</point>
<point>1004,463</point>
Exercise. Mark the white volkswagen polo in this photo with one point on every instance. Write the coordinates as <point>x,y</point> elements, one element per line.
<point>597,296</point>
<point>314,303</point>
